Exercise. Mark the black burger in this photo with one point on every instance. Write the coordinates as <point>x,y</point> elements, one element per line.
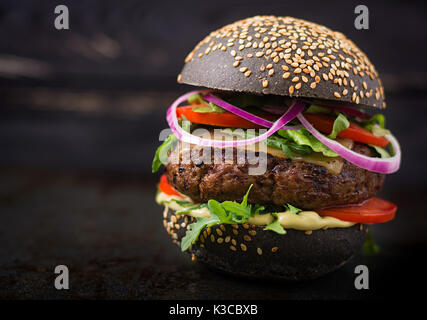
<point>272,164</point>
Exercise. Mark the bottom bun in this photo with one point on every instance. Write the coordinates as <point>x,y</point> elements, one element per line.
<point>247,250</point>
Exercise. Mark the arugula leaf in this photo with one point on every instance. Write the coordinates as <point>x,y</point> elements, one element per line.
<point>275,226</point>
<point>185,124</point>
<point>303,137</point>
<point>245,197</point>
<point>287,151</point>
<point>341,123</point>
<point>196,98</point>
<point>370,247</point>
<point>292,209</point>
<point>208,108</point>
<point>161,154</point>
<point>195,228</point>
<point>228,212</point>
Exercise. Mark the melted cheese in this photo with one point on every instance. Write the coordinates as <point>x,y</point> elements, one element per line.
<point>304,220</point>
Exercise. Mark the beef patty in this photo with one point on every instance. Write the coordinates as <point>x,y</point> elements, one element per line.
<point>304,185</point>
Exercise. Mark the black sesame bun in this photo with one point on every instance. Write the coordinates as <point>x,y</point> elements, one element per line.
<point>249,251</point>
<point>287,57</point>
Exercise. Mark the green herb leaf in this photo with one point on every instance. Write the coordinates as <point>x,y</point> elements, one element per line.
<point>287,151</point>
<point>369,246</point>
<point>161,154</point>
<point>341,123</point>
<point>228,212</point>
<point>196,98</point>
<point>275,226</point>
<point>208,108</point>
<point>292,209</point>
<point>195,228</point>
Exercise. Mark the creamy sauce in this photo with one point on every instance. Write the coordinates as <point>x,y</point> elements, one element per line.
<point>304,220</point>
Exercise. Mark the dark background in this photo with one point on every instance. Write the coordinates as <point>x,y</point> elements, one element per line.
<point>80,114</point>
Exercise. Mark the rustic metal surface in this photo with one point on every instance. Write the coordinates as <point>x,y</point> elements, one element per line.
<point>79,121</point>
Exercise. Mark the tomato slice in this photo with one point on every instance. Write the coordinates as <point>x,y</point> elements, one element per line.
<point>165,187</point>
<point>325,123</point>
<point>373,210</point>
<point>224,119</point>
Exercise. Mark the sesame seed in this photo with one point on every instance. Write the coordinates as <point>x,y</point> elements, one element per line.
<point>295,79</point>
<point>233,248</point>
<point>291,90</point>
<point>227,239</point>
<point>259,251</point>
<point>179,78</point>
<point>298,86</point>
<point>220,240</point>
<point>243,247</point>
<point>286,75</point>
<point>336,94</point>
<point>235,232</point>
<point>265,83</point>
<point>274,249</point>
<point>212,238</point>
<point>233,242</point>
<point>308,232</point>
<point>259,54</point>
<point>252,232</point>
<point>247,238</point>
<point>313,85</point>
<point>248,73</point>
<point>243,69</point>
<point>219,232</point>
<point>365,85</point>
<point>236,64</point>
<point>270,72</point>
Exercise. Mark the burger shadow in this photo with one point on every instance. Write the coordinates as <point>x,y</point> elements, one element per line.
<point>337,285</point>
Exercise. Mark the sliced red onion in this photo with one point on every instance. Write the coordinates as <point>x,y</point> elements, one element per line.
<point>185,136</point>
<point>244,114</point>
<point>379,165</point>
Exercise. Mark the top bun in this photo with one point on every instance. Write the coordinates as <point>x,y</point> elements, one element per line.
<point>287,57</point>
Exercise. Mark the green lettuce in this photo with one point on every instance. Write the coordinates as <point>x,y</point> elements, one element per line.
<point>161,154</point>
<point>303,137</point>
<point>275,225</point>
<point>341,123</point>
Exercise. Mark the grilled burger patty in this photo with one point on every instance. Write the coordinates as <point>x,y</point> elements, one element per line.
<point>302,184</point>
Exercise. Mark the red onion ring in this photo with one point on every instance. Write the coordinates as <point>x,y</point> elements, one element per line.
<point>184,136</point>
<point>379,165</point>
<point>244,114</point>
